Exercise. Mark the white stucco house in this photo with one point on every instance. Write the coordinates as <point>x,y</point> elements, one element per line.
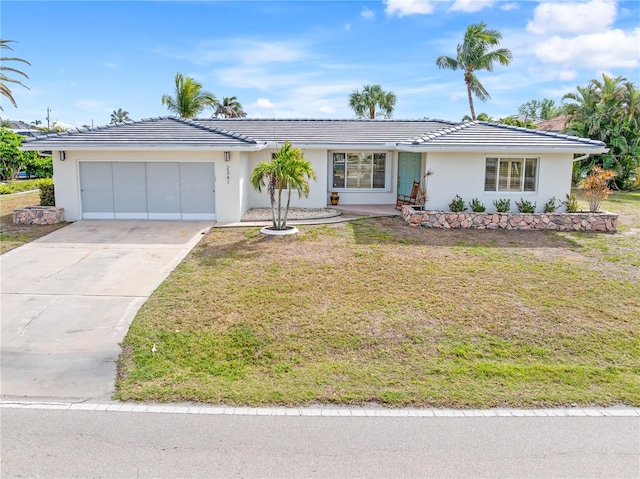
<point>173,168</point>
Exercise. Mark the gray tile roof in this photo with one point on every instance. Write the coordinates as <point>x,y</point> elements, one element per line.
<point>480,135</point>
<point>251,134</point>
<point>153,133</point>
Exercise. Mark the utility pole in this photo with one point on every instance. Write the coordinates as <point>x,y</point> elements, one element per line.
<point>48,123</point>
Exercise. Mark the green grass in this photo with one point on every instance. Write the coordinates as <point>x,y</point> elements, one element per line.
<point>375,311</point>
<point>18,186</point>
<point>13,236</point>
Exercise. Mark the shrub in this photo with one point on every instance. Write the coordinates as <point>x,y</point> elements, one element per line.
<point>551,205</point>
<point>502,205</point>
<point>457,204</point>
<point>47,193</point>
<point>571,203</point>
<point>525,206</point>
<point>38,166</point>
<point>477,206</point>
<point>596,186</point>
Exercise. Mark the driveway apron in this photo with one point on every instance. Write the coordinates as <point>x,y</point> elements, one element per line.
<point>68,300</point>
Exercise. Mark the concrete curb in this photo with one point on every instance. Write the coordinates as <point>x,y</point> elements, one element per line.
<point>325,412</point>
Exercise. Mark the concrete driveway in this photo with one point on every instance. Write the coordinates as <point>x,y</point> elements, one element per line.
<point>68,299</point>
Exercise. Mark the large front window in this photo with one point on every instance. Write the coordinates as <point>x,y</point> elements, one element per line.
<point>510,174</point>
<point>359,170</point>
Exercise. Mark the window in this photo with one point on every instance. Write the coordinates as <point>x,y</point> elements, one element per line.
<point>510,174</point>
<point>359,170</point>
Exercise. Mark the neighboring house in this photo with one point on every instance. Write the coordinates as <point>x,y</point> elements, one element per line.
<point>557,124</point>
<point>172,168</point>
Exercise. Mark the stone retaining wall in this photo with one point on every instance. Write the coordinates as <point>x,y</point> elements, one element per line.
<point>583,221</point>
<point>38,215</point>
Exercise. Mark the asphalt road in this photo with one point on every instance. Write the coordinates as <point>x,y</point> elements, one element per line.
<point>64,443</point>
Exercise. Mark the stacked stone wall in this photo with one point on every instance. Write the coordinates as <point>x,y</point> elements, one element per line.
<point>38,215</point>
<point>583,221</point>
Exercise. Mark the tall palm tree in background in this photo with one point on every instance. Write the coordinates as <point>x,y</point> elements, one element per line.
<point>190,99</point>
<point>4,79</point>
<point>230,108</point>
<point>473,54</point>
<point>289,170</point>
<point>364,103</point>
<point>120,116</point>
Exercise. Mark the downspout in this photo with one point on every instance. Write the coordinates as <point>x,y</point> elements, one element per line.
<point>583,157</point>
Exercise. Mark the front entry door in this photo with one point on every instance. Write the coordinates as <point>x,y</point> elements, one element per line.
<point>409,170</point>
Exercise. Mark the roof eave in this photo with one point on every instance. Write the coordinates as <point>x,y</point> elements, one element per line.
<point>39,146</point>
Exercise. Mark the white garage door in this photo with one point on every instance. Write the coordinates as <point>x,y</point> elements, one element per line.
<point>147,190</point>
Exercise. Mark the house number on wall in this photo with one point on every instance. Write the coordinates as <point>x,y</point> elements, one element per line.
<point>228,174</point>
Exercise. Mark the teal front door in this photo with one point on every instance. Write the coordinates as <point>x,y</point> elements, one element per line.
<point>409,170</point>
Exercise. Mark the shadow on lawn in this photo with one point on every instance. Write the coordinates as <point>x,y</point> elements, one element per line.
<point>396,231</point>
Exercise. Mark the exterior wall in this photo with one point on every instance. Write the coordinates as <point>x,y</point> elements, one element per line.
<point>66,175</point>
<point>318,196</point>
<point>463,174</point>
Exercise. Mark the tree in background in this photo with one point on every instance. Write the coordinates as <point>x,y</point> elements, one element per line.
<point>474,54</point>
<point>609,111</point>
<point>120,116</point>
<point>516,122</point>
<point>372,97</point>
<point>481,117</point>
<point>230,108</point>
<point>545,109</point>
<point>190,99</point>
<point>4,79</point>
<point>12,160</point>
<point>289,170</point>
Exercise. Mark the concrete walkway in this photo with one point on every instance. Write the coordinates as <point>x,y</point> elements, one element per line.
<point>68,299</point>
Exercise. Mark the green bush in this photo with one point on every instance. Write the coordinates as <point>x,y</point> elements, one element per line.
<point>38,166</point>
<point>457,204</point>
<point>525,206</point>
<point>477,206</point>
<point>551,205</point>
<point>571,203</point>
<point>502,205</point>
<point>47,193</point>
<point>18,186</point>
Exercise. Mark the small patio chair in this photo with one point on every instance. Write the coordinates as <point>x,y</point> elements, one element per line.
<point>408,199</point>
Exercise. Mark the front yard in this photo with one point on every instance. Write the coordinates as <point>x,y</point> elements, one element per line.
<point>12,236</point>
<point>374,311</point>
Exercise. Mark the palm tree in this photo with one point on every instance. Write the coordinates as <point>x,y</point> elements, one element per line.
<point>473,54</point>
<point>190,99</point>
<point>288,169</point>
<point>481,117</point>
<point>364,103</point>
<point>120,116</point>
<point>230,108</point>
<point>4,89</point>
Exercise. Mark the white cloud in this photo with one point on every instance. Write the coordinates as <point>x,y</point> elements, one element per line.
<point>611,49</point>
<point>368,14</point>
<point>566,75</point>
<point>264,103</point>
<point>327,109</point>
<point>508,6</point>
<point>573,17</point>
<point>402,8</point>
<point>112,66</point>
<point>347,27</point>
<point>85,104</point>
<point>470,6</point>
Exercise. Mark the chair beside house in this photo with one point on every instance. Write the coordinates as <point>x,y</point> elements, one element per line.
<point>408,199</point>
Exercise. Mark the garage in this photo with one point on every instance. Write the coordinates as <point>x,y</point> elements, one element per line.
<point>147,190</point>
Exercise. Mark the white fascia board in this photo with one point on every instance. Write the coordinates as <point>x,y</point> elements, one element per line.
<point>76,147</point>
<point>340,146</point>
<point>520,150</point>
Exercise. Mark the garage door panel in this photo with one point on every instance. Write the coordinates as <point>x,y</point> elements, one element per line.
<point>196,185</point>
<point>96,182</point>
<point>130,190</point>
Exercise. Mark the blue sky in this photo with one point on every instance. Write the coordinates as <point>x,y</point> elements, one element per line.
<point>302,59</point>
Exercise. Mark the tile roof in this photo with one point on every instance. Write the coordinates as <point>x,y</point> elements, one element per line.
<point>252,134</point>
<point>481,135</point>
<point>153,133</point>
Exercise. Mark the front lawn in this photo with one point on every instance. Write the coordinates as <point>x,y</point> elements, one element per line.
<point>375,311</point>
<point>12,236</point>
